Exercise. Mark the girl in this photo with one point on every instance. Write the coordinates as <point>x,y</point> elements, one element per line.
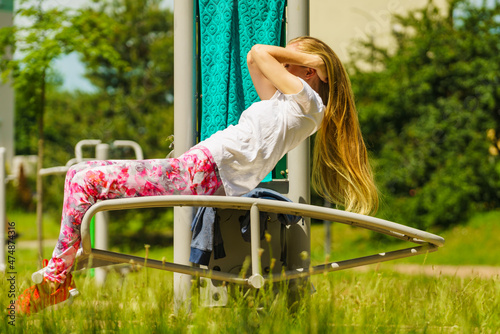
<point>294,84</point>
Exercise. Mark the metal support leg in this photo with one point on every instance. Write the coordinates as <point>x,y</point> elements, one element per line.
<point>256,280</point>
<point>101,221</point>
<point>328,232</point>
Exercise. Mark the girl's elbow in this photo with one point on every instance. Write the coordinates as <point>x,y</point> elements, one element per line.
<point>254,52</point>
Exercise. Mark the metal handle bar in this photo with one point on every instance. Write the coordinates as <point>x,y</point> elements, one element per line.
<point>130,143</point>
<point>272,206</point>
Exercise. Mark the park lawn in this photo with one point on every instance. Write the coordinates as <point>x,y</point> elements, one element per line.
<point>25,224</point>
<point>350,301</point>
<point>474,243</point>
<point>345,302</point>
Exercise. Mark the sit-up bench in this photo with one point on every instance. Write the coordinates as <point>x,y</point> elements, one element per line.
<point>91,258</point>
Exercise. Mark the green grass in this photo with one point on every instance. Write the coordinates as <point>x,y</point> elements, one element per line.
<point>380,300</point>
<point>347,302</point>
<point>26,225</point>
<point>475,243</point>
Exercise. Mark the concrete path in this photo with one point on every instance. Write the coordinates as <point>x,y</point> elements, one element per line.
<point>464,271</point>
<point>458,271</point>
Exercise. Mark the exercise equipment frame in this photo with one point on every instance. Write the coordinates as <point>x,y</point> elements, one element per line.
<point>91,258</point>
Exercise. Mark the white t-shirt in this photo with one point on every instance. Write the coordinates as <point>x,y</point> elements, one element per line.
<point>245,153</point>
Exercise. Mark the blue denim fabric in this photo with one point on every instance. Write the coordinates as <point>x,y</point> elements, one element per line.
<point>206,228</point>
<point>206,236</point>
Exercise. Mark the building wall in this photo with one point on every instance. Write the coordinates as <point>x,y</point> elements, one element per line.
<point>6,95</point>
<point>340,22</point>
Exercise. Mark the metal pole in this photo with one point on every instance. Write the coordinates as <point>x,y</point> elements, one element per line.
<point>81,144</point>
<point>256,280</point>
<point>3,214</point>
<point>328,232</point>
<point>130,143</point>
<point>7,93</point>
<point>184,133</point>
<point>101,221</point>
<point>298,158</point>
<point>255,239</point>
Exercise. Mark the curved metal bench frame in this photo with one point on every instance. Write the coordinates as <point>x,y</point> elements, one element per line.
<point>91,258</point>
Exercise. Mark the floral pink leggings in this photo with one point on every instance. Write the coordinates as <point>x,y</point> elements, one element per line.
<point>193,173</point>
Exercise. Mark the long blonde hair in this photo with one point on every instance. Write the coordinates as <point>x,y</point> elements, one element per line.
<point>341,170</point>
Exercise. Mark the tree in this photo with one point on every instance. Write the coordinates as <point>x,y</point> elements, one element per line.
<point>127,47</point>
<point>35,46</point>
<point>139,94</point>
<point>133,98</point>
<point>426,112</point>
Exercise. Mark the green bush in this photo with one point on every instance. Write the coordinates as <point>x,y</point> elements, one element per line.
<point>430,113</point>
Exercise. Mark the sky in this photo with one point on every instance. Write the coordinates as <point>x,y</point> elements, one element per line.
<point>72,71</point>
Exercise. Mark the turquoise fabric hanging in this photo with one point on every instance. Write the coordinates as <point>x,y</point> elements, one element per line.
<point>228,29</point>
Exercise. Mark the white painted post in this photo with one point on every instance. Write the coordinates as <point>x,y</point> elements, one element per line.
<point>79,147</point>
<point>298,158</point>
<point>255,239</point>
<point>130,143</point>
<point>3,214</point>
<point>101,221</point>
<point>184,134</point>
<point>7,93</point>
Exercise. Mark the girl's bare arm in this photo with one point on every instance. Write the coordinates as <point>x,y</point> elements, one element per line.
<point>265,63</point>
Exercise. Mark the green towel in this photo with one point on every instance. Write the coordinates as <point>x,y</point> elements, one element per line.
<point>228,29</point>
